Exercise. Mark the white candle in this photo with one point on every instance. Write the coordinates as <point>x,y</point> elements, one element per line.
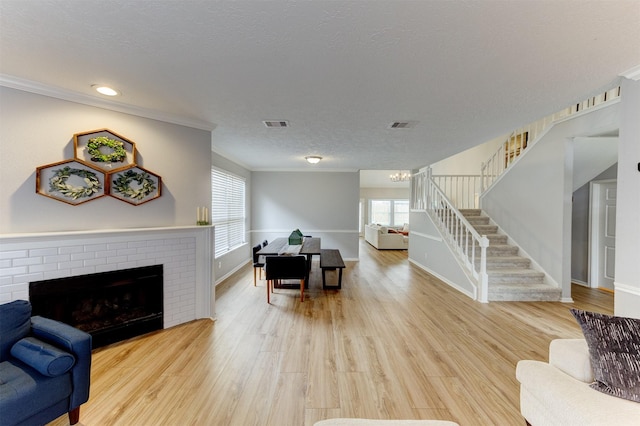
<point>199,214</point>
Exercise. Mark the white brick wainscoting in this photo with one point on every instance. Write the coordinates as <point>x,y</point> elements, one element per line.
<point>186,254</point>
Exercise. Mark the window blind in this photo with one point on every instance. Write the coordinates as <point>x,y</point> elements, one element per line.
<point>227,210</point>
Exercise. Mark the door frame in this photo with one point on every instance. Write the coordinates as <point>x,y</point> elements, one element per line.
<point>595,219</point>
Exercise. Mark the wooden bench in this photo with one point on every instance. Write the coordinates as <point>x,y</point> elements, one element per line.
<point>330,260</point>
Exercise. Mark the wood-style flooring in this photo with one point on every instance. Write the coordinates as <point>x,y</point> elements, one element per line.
<point>394,343</point>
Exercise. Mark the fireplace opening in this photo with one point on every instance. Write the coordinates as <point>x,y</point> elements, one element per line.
<point>111,306</point>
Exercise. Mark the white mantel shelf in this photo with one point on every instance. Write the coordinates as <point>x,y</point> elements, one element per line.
<point>186,253</point>
<point>9,237</point>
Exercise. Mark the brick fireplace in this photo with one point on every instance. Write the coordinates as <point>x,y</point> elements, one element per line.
<point>185,253</point>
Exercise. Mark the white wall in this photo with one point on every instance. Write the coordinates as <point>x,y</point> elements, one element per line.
<point>531,202</point>
<point>38,130</point>
<point>627,279</point>
<point>468,162</point>
<point>320,204</point>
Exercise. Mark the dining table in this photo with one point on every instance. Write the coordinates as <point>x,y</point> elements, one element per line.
<point>280,247</point>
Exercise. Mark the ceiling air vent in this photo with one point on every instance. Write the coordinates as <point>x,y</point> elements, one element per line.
<point>402,124</point>
<point>276,123</point>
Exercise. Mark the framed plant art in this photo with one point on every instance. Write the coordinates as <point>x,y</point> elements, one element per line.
<point>134,185</point>
<point>105,150</point>
<point>70,181</point>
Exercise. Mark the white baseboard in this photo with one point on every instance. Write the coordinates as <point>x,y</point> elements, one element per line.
<point>579,282</point>
<point>626,300</point>
<point>233,271</point>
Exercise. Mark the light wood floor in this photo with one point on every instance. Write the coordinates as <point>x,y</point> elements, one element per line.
<point>395,343</point>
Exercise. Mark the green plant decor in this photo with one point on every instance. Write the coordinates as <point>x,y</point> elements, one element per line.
<point>58,183</point>
<point>145,185</point>
<point>117,155</point>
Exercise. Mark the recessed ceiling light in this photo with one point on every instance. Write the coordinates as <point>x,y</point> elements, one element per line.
<point>313,159</point>
<point>105,90</point>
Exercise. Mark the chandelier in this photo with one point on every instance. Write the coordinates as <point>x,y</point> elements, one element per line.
<point>400,176</point>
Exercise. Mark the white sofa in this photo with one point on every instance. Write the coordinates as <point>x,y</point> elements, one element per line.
<point>558,392</point>
<point>379,237</point>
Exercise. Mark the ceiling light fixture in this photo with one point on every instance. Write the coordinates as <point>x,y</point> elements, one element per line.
<point>313,159</point>
<point>400,177</point>
<point>105,90</point>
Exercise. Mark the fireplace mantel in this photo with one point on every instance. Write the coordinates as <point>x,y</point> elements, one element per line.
<point>186,252</point>
<point>5,238</point>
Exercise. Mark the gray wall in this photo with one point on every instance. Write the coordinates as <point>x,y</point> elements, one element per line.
<point>38,130</point>
<point>580,228</point>
<point>428,251</point>
<point>320,204</point>
<point>627,281</point>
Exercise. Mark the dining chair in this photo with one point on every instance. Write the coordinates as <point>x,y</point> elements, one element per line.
<point>285,268</point>
<point>258,262</point>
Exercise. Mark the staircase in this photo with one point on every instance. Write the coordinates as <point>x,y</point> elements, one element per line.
<point>510,275</point>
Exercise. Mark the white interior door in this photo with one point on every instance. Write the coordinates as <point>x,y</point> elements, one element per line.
<point>604,242</point>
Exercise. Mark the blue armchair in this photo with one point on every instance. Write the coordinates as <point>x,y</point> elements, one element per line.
<point>45,367</point>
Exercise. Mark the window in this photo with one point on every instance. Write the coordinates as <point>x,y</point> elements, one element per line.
<point>389,212</point>
<point>227,210</point>
<point>400,212</point>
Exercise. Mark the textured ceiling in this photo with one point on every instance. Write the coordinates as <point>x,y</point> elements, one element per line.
<point>339,71</point>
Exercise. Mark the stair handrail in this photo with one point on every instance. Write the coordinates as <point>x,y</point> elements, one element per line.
<point>459,233</point>
<point>501,159</point>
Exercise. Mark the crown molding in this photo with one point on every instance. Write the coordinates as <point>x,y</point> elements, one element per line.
<point>81,98</point>
<point>632,73</point>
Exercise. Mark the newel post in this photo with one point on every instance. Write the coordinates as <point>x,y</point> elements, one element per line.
<point>428,190</point>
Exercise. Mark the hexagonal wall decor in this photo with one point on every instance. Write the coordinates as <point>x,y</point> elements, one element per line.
<point>71,181</point>
<point>104,150</point>
<point>134,185</point>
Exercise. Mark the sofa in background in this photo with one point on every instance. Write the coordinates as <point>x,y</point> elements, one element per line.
<point>380,237</point>
<point>45,367</point>
<point>558,392</point>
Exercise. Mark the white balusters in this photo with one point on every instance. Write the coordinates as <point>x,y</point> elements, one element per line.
<point>516,143</point>
<point>468,244</point>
